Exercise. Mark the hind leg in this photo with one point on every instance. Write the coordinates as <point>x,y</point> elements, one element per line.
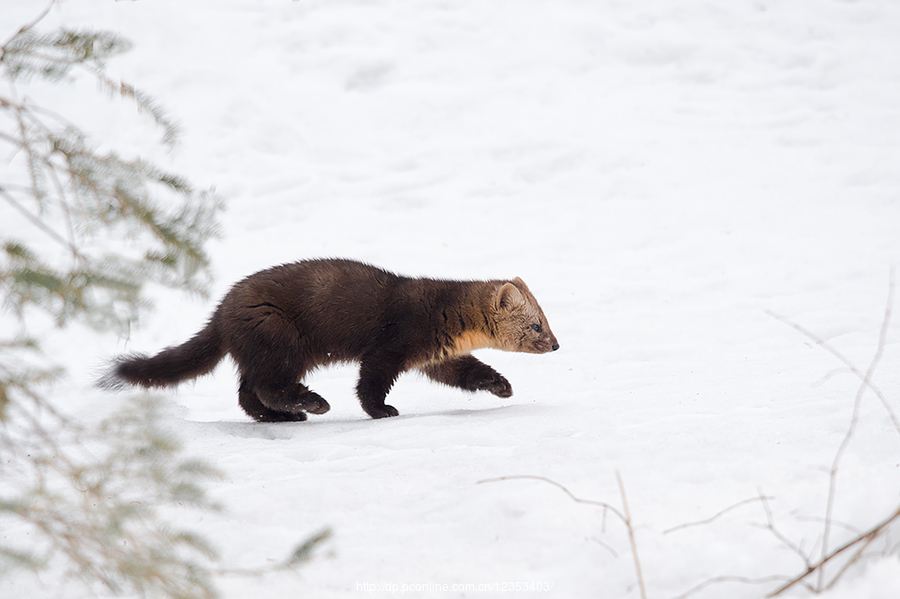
<point>267,403</point>
<point>254,408</point>
<point>270,356</point>
<point>291,399</point>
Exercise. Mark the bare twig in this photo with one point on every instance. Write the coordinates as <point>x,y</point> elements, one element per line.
<point>713,518</point>
<point>624,515</point>
<point>850,562</point>
<point>605,546</point>
<point>605,506</point>
<point>866,383</point>
<point>866,538</point>
<point>882,338</point>
<point>850,365</point>
<point>634,552</point>
<point>724,579</point>
<point>848,527</point>
<point>770,526</point>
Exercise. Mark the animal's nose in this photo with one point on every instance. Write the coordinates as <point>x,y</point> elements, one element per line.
<point>555,346</point>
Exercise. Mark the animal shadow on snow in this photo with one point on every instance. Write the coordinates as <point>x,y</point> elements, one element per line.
<point>291,430</point>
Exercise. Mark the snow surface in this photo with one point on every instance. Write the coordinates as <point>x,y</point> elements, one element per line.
<point>661,173</point>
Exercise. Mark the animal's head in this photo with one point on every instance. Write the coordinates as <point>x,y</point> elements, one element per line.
<point>521,324</point>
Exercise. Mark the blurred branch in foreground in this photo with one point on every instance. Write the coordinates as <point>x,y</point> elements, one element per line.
<point>82,232</point>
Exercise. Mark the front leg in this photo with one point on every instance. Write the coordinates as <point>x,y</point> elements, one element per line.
<point>469,373</point>
<point>377,373</point>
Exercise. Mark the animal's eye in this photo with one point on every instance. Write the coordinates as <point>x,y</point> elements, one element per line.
<point>536,327</point>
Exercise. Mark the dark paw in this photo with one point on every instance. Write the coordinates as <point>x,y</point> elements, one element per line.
<point>314,403</point>
<point>496,384</point>
<point>383,411</point>
<point>501,389</point>
<point>273,416</point>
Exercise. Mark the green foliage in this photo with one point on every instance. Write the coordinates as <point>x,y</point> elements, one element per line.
<point>304,551</point>
<point>89,502</point>
<point>20,374</point>
<point>52,56</point>
<point>91,229</point>
<point>118,222</point>
<point>94,497</point>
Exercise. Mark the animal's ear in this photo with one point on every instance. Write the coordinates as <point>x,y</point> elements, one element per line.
<point>508,297</point>
<point>520,284</point>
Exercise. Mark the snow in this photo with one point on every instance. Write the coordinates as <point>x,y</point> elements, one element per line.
<point>661,173</point>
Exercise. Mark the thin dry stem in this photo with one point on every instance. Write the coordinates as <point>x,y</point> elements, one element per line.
<point>605,546</point>
<point>724,579</point>
<point>770,526</point>
<point>866,383</point>
<point>850,365</point>
<point>624,516</point>
<point>634,551</point>
<point>882,339</point>
<point>562,488</point>
<point>850,562</point>
<point>716,516</point>
<point>866,538</point>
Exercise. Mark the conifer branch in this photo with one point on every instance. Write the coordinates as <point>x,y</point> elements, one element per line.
<point>92,513</point>
<point>40,17</point>
<point>38,222</point>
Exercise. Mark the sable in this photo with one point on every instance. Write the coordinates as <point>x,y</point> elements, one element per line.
<point>283,322</point>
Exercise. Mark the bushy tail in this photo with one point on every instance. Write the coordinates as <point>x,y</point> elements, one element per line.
<point>196,357</point>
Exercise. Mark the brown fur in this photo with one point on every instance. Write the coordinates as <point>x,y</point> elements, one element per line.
<point>281,323</point>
